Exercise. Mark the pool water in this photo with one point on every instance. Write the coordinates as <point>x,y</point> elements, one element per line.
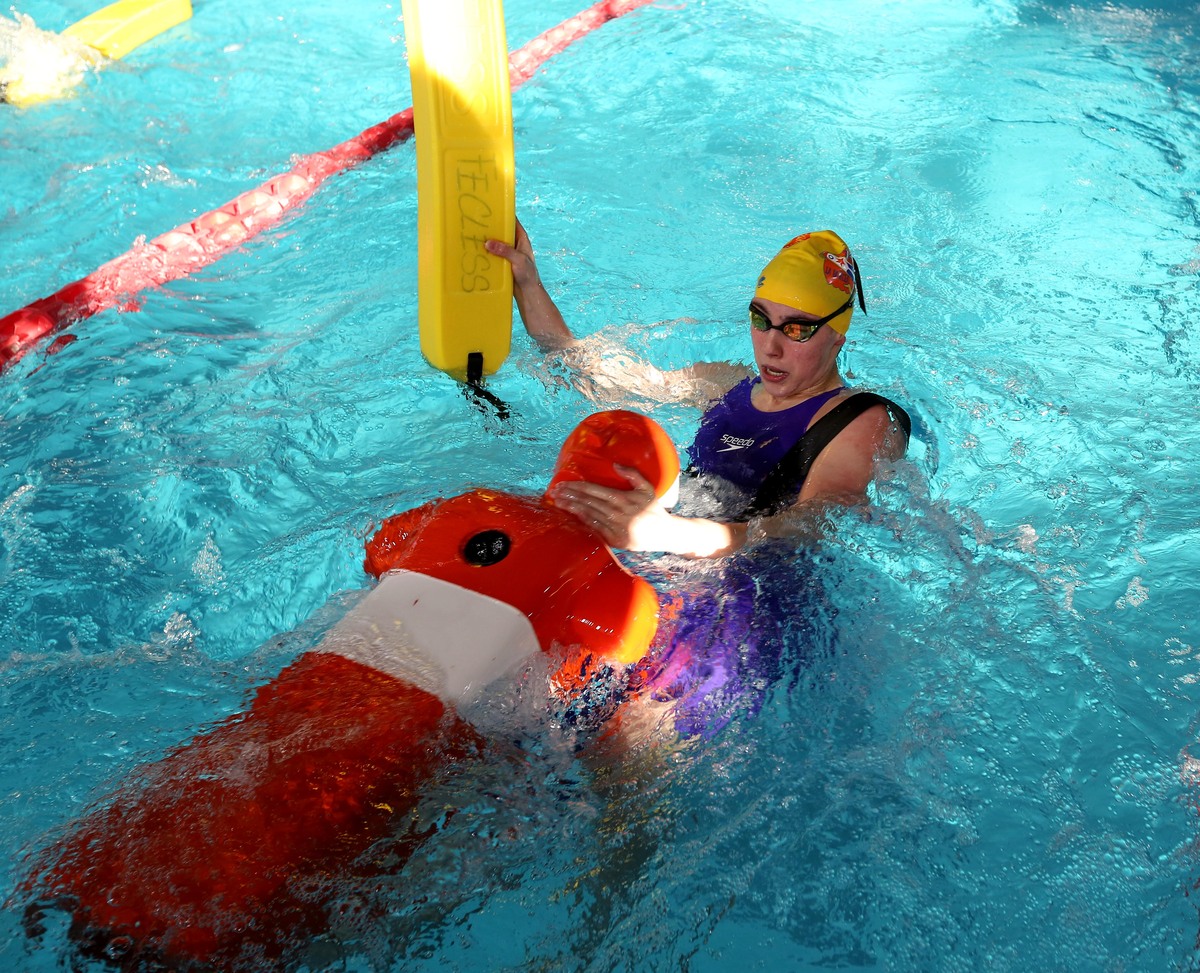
<point>980,753</point>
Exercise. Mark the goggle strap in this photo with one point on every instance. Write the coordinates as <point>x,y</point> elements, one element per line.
<point>862,303</point>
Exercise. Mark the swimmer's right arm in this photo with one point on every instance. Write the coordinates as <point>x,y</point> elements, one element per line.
<point>539,313</point>
<point>699,383</point>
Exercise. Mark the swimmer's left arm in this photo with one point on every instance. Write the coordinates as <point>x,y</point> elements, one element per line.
<point>839,476</point>
<point>845,468</point>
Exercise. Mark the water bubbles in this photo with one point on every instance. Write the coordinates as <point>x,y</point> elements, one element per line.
<point>1136,594</point>
<point>207,567</point>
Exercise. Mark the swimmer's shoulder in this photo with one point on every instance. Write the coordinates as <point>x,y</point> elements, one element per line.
<point>879,430</point>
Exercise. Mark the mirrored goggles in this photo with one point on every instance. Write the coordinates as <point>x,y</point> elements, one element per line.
<point>797,329</point>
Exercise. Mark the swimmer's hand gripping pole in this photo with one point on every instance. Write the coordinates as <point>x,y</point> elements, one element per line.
<point>462,118</point>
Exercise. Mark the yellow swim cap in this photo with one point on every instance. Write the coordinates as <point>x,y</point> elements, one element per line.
<point>814,273</point>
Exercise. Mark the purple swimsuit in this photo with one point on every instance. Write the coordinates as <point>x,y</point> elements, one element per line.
<point>742,445</point>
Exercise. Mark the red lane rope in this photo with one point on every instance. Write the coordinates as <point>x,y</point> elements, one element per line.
<point>202,241</point>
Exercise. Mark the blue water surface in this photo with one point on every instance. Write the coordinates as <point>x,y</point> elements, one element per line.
<point>978,750</point>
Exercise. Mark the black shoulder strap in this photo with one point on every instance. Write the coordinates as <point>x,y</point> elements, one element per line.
<point>783,483</point>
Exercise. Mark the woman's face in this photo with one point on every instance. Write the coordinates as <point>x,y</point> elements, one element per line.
<point>794,369</point>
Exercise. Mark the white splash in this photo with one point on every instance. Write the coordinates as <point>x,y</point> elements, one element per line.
<point>37,65</point>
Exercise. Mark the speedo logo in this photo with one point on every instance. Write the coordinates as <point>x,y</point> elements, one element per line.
<point>733,442</point>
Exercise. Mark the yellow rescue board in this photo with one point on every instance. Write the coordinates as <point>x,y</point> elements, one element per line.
<point>120,27</point>
<point>462,119</point>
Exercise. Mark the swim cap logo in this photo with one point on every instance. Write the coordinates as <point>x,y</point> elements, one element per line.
<point>838,271</point>
<point>839,268</point>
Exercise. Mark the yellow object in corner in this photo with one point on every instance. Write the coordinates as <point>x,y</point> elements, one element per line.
<point>120,27</point>
<point>462,118</point>
<point>45,65</point>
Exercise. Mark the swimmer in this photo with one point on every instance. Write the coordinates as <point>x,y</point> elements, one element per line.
<point>777,445</point>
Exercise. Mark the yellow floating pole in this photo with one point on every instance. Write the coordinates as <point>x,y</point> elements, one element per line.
<point>118,28</point>
<point>462,117</point>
